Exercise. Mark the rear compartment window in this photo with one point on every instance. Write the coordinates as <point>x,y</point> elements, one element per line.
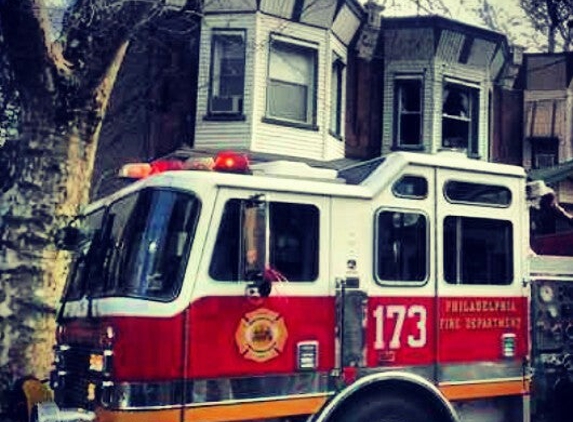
<point>477,193</point>
<point>478,251</point>
<point>401,247</point>
<point>414,187</point>
<point>293,242</point>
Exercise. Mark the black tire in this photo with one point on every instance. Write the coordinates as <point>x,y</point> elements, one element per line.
<point>384,408</point>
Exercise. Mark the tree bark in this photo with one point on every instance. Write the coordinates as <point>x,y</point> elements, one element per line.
<point>46,169</point>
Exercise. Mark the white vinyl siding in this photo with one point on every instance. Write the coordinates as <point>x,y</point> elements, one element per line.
<point>289,140</point>
<point>234,134</point>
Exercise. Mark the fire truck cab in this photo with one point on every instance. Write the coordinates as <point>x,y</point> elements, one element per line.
<point>390,290</point>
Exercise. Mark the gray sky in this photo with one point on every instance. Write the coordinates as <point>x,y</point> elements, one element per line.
<point>508,16</point>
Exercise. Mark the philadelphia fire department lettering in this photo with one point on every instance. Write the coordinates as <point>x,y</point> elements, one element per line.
<point>399,314</point>
<point>480,314</point>
<point>261,335</point>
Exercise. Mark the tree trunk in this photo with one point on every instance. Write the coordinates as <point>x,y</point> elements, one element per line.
<point>50,171</point>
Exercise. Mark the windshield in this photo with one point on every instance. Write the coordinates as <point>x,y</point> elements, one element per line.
<point>136,247</point>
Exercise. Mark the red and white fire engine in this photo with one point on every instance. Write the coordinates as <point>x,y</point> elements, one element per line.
<point>397,289</point>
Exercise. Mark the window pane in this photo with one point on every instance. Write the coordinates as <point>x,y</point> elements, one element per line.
<point>336,97</point>
<point>294,245</point>
<point>401,246</point>
<point>291,63</point>
<point>477,193</point>
<point>90,231</point>
<point>149,238</point>
<point>478,251</point>
<point>287,101</point>
<point>415,187</point>
<point>460,117</point>
<point>455,133</point>
<point>409,92</point>
<point>456,101</point>
<point>290,90</point>
<point>228,72</point>
<point>294,240</point>
<point>410,129</point>
<point>409,115</point>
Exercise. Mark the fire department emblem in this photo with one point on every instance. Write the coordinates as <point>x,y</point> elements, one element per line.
<point>261,335</point>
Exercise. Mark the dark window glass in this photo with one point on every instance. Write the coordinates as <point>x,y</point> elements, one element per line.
<point>409,112</point>
<point>415,187</point>
<point>294,234</point>
<point>90,228</point>
<point>460,111</point>
<point>477,193</point>
<point>478,251</point>
<point>227,72</point>
<point>401,246</point>
<point>544,152</point>
<point>337,79</point>
<point>142,246</point>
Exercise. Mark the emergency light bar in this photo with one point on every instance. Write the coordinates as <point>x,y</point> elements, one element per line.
<point>226,161</point>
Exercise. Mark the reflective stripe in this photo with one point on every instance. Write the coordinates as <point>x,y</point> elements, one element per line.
<point>163,395</point>
<point>477,390</point>
<point>474,371</point>
<point>220,413</point>
<point>173,415</point>
<point>258,410</point>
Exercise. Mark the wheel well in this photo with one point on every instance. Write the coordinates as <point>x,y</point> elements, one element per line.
<point>417,393</point>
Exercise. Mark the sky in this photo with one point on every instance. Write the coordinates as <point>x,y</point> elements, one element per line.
<point>510,18</point>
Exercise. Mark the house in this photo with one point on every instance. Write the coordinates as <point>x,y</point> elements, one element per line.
<point>268,77</point>
<point>314,80</point>
<point>546,80</point>
<point>272,76</point>
<point>434,83</point>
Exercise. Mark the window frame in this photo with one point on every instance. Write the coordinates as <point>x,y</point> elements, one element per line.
<point>473,92</point>
<point>544,147</point>
<point>297,46</point>
<point>106,291</point>
<point>214,273</point>
<point>458,270</point>
<point>451,200</point>
<point>401,283</point>
<point>406,196</point>
<point>234,113</point>
<point>400,82</point>
<point>336,124</point>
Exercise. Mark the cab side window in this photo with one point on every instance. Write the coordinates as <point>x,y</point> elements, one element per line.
<point>293,242</point>
<point>401,247</point>
<point>478,251</point>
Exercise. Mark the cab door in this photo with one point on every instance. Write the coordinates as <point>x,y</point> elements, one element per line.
<point>248,342</point>
<point>482,311</point>
<point>401,303</point>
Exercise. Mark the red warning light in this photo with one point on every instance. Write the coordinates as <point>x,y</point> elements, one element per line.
<point>143,170</point>
<point>232,162</point>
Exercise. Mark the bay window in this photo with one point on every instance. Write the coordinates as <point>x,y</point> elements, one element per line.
<point>291,87</point>
<point>227,72</point>
<point>460,111</point>
<point>408,123</point>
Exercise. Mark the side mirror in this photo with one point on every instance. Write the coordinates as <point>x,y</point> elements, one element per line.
<point>67,238</point>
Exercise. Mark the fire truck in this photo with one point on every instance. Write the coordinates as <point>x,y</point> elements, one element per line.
<point>401,288</point>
